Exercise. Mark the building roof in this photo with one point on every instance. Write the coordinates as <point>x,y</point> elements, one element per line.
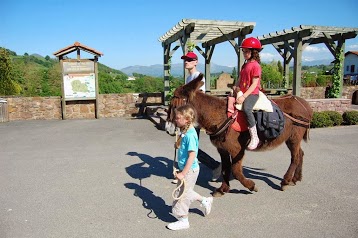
<point>351,52</point>
<point>76,46</point>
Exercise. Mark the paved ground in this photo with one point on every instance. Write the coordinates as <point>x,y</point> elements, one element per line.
<point>111,178</point>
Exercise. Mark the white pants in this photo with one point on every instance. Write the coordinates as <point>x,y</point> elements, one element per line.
<point>181,207</point>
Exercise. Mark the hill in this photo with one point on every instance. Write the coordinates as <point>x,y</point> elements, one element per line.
<point>36,75</point>
<point>177,69</point>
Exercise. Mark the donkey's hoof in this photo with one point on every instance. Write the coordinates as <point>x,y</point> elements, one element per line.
<point>284,187</point>
<point>218,194</point>
<point>255,189</point>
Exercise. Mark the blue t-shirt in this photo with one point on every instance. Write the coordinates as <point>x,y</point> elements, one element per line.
<point>189,142</point>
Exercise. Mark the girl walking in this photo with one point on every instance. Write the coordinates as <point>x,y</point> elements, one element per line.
<point>188,146</point>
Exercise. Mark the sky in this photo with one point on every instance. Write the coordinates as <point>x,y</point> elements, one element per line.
<point>127,32</point>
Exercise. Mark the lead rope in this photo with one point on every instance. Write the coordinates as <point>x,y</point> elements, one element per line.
<point>175,171</point>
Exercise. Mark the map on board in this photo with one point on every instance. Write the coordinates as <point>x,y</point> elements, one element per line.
<point>80,86</point>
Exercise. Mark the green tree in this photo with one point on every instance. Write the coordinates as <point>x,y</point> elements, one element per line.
<point>271,77</point>
<point>279,67</point>
<point>7,85</point>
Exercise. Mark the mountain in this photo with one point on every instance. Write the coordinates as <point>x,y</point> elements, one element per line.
<point>317,62</point>
<point>176,69</point>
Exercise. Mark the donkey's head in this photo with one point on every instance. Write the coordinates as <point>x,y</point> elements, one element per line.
<point>182,95</point>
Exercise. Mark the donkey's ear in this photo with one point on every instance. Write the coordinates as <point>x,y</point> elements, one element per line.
<point>200,77</point>
<point>193,85</point>
<point>198,81</point>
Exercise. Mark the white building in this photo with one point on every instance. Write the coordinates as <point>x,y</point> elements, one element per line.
<point>351,67</point>
<point>351,63</point>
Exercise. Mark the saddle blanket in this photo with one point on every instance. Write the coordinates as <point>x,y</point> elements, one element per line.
<point>240,122</point>
<point>263,103</point>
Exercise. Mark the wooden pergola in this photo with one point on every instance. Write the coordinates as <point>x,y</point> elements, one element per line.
<point>207,32</point>
<point>291,42</point>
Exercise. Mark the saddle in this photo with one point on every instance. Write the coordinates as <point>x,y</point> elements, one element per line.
<point>270,123</point>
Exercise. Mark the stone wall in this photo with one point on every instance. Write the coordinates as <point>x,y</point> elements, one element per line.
<point>224,82</point>
<point>313,92</point>
<point>338,104</point>
<point>134,104</point>
<point>319,92</point>
<point>109,105</point>
<point>33,108</point>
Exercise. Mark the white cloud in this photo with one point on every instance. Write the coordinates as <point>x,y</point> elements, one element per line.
<point>354,47</point>
<point>311,53</point>
<point>307,58</point>
<point>315,49</point>
<point>267,57</point>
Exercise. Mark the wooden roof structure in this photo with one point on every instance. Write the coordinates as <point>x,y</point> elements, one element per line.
<point>76,47</point>
<point>208,33</point>
<point>291,42</point>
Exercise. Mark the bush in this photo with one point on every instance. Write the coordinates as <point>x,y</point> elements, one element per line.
<point>350,117</point>
<point>336,117</point>
<point>321,119</point>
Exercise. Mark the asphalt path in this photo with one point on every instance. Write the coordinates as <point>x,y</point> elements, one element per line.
<point>112,178</point>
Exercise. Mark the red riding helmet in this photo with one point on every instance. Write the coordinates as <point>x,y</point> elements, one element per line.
<point>251,43</point>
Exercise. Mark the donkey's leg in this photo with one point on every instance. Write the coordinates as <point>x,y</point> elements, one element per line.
<point>298,172</point>
<point>225,173</point>
<point>238,172</point>
<point>294,147</point>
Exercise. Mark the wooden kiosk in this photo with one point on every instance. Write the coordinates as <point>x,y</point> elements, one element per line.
<point>79,76</point>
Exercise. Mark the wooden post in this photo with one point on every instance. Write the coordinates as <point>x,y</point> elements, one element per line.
<point>166,58</point>
<point>341,49</point>
<point>297,67</point>
<point>97,88</point>
<point>63,100</point>
<point>240,60</point>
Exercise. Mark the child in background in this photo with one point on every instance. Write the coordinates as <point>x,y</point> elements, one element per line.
<point>188,146</point>
<point>249,85</point>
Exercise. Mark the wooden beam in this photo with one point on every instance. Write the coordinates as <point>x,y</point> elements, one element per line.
<point>232,35</point>
<point>176,36</point>
<point>274,38</point>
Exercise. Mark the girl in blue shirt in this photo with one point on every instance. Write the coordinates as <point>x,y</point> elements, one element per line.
<point>188,146</point>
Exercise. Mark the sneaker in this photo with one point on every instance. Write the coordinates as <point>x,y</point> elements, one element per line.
<point>175,181</point>
<point>179,225</point>
<point>207,203</point>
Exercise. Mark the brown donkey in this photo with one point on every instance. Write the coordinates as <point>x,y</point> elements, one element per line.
<point>231,145</point>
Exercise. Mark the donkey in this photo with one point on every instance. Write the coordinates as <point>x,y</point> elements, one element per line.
<point>231,144</point>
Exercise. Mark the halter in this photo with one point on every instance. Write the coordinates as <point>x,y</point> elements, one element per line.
<point>176,102</point>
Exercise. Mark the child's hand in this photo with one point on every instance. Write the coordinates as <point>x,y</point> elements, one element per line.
<point>180,176</point>
<point>240,100</point>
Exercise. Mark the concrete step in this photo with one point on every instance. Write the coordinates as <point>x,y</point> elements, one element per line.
<point>158,115</point>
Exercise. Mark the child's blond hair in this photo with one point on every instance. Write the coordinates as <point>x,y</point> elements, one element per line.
<point>189,114</point>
